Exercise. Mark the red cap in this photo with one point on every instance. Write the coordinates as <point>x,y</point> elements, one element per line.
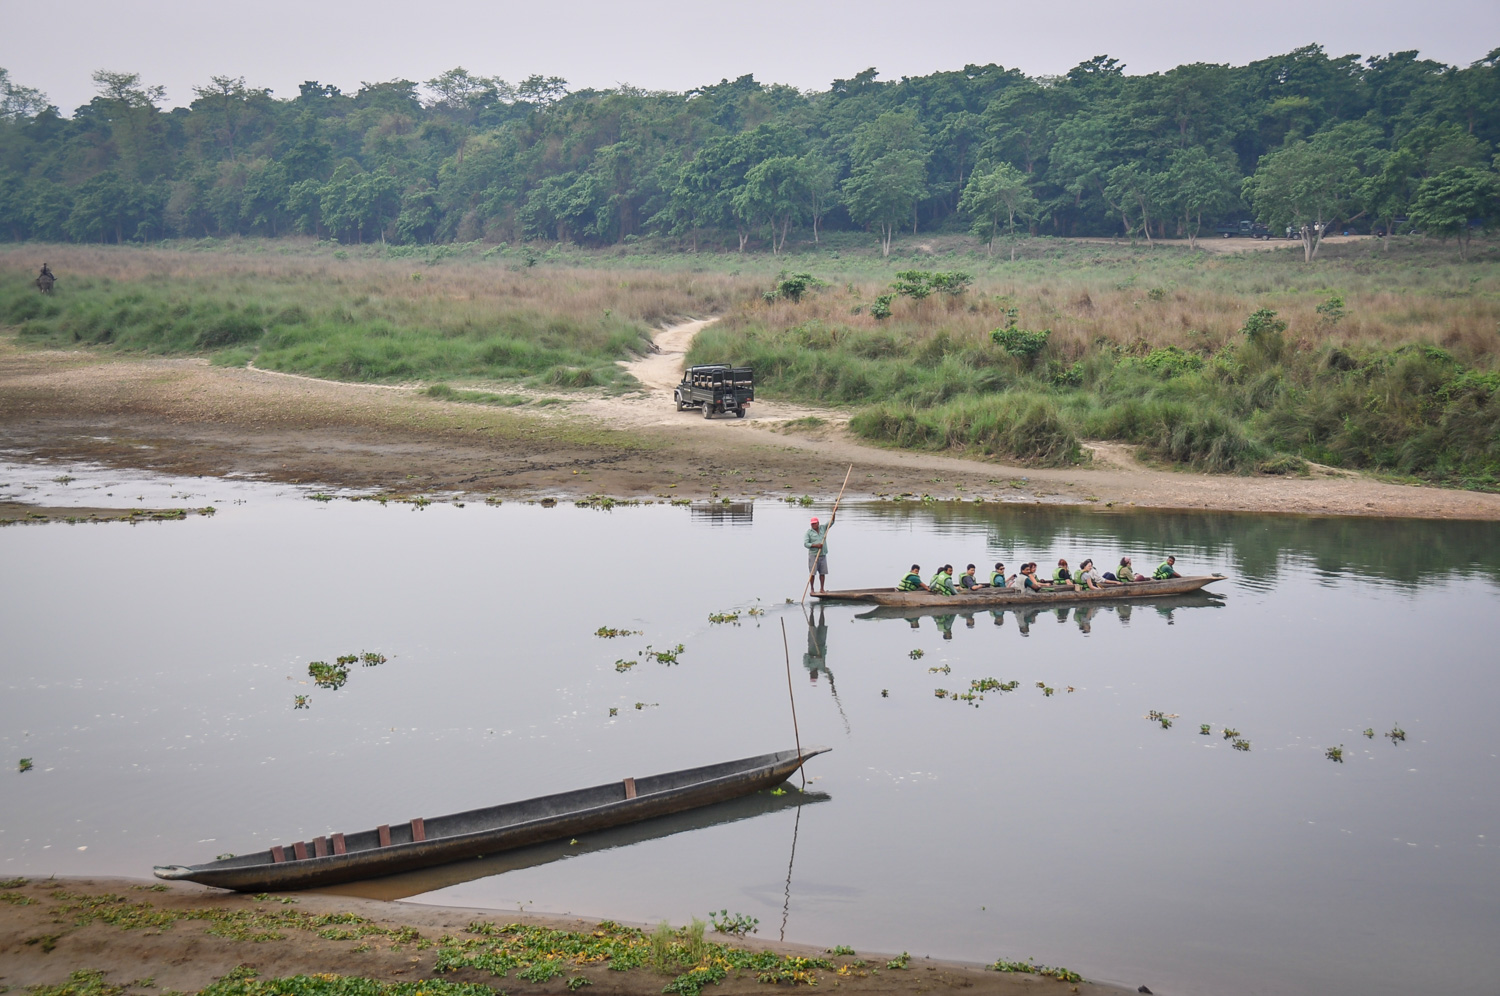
<point>815,520</point>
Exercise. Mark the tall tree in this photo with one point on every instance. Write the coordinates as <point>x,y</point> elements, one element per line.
<point>881,194</point>
<point>1456,202</point>
<point>1309,186</point>
<point>1197,183</point>
<point>995,194</point>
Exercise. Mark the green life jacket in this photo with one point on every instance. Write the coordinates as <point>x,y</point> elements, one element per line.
<point>912,582</point>
<point>1124,573</point>
<point>941,583</point>
<point>997,579</point>
<point>1060,576</point>
<point>1163,572</point>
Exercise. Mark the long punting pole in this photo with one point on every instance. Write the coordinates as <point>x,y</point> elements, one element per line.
<point>808,587</point>
<point>795,733</point>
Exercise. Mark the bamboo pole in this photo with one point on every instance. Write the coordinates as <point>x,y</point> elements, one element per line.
<point>808,587</point>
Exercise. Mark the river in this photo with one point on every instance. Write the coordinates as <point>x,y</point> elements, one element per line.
<point>151,673</point>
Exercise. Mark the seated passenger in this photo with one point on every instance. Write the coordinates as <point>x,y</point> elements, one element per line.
<point>942,581</point>
<point>1029,580</point>
<point>998,578</point>
<point>1125,574</point>
<point>913,580</point>
<point>1088,576</point>
<point>968,582</point>
<point>1062,576</point>
<point>1165,570</point>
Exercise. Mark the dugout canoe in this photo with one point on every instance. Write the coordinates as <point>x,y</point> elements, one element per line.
<point>422,843</point>
<point>988,597</point>
<point>1161,603</point>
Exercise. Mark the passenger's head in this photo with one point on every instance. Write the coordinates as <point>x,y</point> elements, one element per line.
<point>1086,565</point>
<point>999,566</point>
<point>916,567</point>
<point>1171,560</point>
<point>1062,563</point>
<point>1124,560</point>
<point>970,568</point>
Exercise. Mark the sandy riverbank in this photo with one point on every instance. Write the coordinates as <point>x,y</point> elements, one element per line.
<point>182,937</point>
<point>185,417</point>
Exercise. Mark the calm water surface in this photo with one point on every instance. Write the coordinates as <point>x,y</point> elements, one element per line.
<point>150,671</point>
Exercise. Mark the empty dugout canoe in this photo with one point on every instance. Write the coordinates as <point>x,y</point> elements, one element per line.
<point>422,843</point>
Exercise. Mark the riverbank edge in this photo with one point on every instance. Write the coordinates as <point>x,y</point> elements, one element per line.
<point>38,946</point>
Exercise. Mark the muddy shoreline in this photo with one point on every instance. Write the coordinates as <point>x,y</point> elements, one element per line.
<point>185,417</point>
<point>181,937</point>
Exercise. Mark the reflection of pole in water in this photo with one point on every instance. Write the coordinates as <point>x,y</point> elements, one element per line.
<point>786,905</point>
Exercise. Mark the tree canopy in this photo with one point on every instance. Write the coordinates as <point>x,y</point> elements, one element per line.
<point>1303,140</point>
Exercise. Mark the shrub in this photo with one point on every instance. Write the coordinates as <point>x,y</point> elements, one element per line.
<point>1022,343</point>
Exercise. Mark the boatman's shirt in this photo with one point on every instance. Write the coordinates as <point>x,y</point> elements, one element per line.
<point>816,536</point>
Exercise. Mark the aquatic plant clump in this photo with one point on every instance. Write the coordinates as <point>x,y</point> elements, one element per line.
<point>1048,971</point>
<point>326,675</point>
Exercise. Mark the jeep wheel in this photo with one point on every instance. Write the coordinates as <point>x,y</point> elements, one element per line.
<point>739,413</point>
<point>678,398</point>
<point>708,410</point>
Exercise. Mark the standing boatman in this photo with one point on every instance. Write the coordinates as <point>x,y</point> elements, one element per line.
<point>816,542</point>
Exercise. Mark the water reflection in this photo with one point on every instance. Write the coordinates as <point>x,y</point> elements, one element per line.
<point>1082,615</point>
<point>815,660</point>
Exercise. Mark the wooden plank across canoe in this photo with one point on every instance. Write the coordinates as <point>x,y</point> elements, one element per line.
<point>422,843</point>
<point>986,597</point>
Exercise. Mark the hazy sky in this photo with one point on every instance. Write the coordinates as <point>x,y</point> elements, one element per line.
<point>680,44</point>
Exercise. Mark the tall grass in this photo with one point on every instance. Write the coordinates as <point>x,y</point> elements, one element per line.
<point>365,319</point>
<point>1401,378</point>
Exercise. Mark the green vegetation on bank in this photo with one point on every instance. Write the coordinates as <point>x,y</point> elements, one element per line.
<point>1376,360</point>
<point>371,320</point>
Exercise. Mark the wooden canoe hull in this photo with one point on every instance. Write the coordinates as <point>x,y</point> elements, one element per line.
<point>988,597</point>
<point>498,828</point>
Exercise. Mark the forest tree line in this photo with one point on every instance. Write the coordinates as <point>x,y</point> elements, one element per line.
<point>1303,141</point>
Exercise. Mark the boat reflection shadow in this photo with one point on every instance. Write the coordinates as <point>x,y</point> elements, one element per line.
<point>1082,615</point>
<point>415,883</point>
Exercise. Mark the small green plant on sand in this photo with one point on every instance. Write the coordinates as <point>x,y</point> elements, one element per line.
<point>737,924</point>
<point>1052,972</point>
<point>841,951</point>
<point>900,961</point>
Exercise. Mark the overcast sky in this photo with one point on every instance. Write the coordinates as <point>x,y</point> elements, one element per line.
<point>680,44</point>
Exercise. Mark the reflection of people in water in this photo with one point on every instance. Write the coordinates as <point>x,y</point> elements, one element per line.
<point>1062,613</point>
<point>945,623</point>
<point>816,658</point>
<point>1084,617</point>
<point>999,616</point>
<point>968,620</point>
<point>1024,619</point>
<point>1124,610</point>
<point>1165,611</point>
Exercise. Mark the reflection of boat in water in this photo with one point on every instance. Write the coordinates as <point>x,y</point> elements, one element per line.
<point>949,611</point>
<point>985,597</point>
<point>421,843</point>
<point>415,883</point>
